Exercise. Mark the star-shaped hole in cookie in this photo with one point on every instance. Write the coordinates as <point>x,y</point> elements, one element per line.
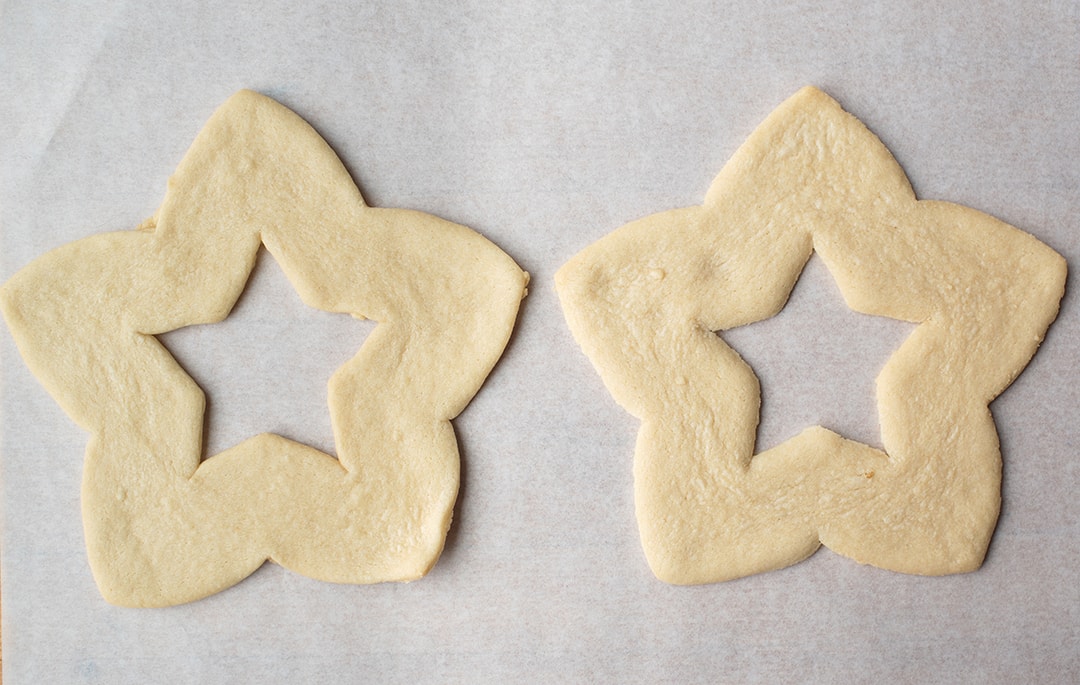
<point>265,367</point>
<point>817,361</point>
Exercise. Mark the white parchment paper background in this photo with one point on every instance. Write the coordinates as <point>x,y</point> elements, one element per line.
<point>544,126</point>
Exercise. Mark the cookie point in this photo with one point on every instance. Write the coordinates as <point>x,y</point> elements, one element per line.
<point>810,91</point>
<point>247,100</point>
<point>812,96</point>
<point>246,94</point>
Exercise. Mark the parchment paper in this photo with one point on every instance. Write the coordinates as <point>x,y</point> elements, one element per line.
<point>544,126</point>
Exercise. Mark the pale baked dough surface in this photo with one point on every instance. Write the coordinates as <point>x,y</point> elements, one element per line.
<point>163,527</point>
<point>644,303</point>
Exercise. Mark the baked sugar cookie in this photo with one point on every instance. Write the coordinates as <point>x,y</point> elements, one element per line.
<point>163,526</point>
<point>644,303</point>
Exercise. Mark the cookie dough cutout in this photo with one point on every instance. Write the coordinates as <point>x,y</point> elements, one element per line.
<point>644,303</point>
<point>163,527</point>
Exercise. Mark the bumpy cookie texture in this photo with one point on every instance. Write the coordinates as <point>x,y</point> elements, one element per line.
<point>163,527</point>
<point>644,303</point>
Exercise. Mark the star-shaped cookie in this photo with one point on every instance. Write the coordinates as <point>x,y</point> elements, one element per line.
<point>644,303</point>
<point>163,527</point>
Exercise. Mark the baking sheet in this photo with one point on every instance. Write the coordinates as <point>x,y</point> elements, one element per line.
<point>543,127</point>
